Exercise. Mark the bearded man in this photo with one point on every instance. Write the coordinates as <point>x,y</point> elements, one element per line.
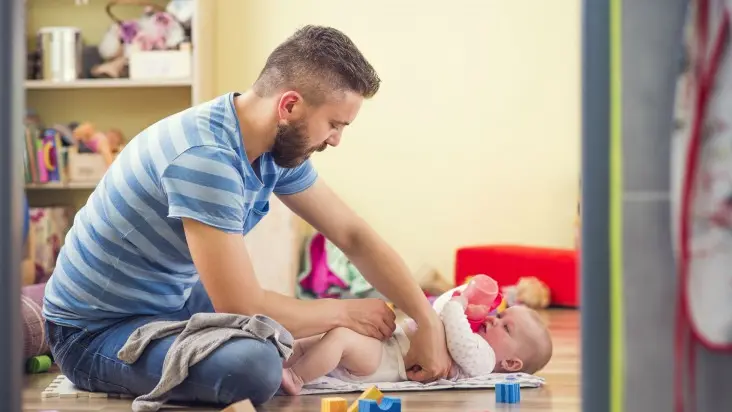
<point>162,236</point>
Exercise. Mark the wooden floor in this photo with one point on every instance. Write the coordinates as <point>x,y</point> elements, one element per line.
<point>562,392</point>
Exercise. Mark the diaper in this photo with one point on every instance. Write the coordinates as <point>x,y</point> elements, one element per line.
<point>391,368</point>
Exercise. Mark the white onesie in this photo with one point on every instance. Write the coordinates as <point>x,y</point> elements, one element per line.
<point>472,354</point>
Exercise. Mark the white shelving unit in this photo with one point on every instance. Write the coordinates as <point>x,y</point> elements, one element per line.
<point>127,104</point>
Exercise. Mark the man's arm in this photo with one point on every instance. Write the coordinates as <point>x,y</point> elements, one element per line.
<point>205,190</point>
<point>377,261</point>
<point>226,272</point>
<point>380,265</point>
<point>228,276</point>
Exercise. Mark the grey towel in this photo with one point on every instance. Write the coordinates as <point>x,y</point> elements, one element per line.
<point>199,336</point>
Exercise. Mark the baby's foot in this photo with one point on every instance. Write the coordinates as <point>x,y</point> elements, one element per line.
<point>291,383</point>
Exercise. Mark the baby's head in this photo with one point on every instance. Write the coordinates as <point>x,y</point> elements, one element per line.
<point>520,340</point>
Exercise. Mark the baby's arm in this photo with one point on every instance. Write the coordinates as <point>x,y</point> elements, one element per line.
<point>469,350</point>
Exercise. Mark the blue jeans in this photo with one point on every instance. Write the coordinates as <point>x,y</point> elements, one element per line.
<point>239,369</point>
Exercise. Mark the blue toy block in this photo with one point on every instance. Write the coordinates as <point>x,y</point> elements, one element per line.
<point>508,392</point>
<point>387,404</point>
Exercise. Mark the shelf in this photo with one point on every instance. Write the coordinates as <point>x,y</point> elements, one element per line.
<point>61,186</point>
<point>105,84</point>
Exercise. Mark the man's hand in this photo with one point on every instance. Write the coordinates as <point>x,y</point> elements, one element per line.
<point>370,317</point>
<point>428,358</point>
<point>382,267</point>
<point>227,274</point>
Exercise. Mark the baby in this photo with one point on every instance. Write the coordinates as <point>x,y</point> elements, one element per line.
<point>514,341</point>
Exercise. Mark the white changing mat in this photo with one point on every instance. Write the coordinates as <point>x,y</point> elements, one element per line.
<point>62,386</point>
<point>331,385</point>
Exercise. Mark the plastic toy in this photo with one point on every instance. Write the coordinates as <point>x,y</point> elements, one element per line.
<point>373,393</point>
<point>333,405</point>
<point>241,406</point>
<point>387,404</point>
<point>508,392</point>
<point>483,300</point>
<point>38,364</point>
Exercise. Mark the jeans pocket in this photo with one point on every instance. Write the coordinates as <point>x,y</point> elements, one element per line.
<point>60,340</point>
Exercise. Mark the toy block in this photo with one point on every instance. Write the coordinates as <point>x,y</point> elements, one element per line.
<point>387,404</point>
<point>333,405</point>
<point>372,393</point>
<point>241,406</point>
<point>508,392</point>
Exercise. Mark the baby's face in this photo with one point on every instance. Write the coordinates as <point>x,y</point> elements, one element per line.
<point>507,332</point>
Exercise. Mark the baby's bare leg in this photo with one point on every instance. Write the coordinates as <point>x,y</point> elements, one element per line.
<point>359,354</point>
<point>300,347</point>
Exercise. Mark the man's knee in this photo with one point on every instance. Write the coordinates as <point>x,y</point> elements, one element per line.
<point>250,369</point>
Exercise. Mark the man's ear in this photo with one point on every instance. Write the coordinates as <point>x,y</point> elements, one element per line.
<point>290,105</point>
<point>512,365</point>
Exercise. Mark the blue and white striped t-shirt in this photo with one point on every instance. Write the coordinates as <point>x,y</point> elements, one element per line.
<point>126,253</point>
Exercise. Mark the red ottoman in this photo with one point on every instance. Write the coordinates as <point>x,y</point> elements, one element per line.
<point>558,268</point>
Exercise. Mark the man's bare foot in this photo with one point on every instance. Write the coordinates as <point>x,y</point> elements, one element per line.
<point>291,383</point>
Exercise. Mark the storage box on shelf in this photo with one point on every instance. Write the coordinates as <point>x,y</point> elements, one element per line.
<point>160,64</point>
<point>85,168</point>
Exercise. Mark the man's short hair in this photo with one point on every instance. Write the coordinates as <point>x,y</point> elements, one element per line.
<point>316,61</point>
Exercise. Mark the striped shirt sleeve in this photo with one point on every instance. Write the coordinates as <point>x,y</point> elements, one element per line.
<point>204,184</point>
<point>296,180</point>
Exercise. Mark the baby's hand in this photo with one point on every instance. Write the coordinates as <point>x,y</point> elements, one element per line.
<point>461,300</point>
<point>477,311</point>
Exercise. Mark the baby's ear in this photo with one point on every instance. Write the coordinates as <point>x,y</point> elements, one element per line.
<point>512,365</point>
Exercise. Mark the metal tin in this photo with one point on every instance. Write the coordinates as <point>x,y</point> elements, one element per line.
<point>60,50</point>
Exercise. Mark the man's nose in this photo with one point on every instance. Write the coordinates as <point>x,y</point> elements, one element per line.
<point>334,140</point>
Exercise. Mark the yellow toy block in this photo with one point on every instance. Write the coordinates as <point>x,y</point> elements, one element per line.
<point>333,405</point>
<point>370,393</point>
<point>241,406</point>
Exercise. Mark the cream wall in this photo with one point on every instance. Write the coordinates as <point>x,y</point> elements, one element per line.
<point>474,135</point>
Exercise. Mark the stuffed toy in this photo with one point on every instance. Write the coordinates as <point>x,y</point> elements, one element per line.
<point>98,142</point>
<point>529,291</point>
<point>433,284</point>
<point>155,29</point>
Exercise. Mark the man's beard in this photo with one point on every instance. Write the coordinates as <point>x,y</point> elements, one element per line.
<point>290,147</point>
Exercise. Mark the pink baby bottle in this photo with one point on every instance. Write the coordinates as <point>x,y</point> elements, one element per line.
<point>482,290</point>
<point>481,294</point>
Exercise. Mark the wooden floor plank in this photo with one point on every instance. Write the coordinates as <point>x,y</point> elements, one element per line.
<point>562,392</point>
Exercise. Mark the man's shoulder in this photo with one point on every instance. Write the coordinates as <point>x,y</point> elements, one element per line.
<point>207,128</point>
<point>214,112</point>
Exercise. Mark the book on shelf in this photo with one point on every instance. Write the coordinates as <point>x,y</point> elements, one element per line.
<point>46,156</point>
